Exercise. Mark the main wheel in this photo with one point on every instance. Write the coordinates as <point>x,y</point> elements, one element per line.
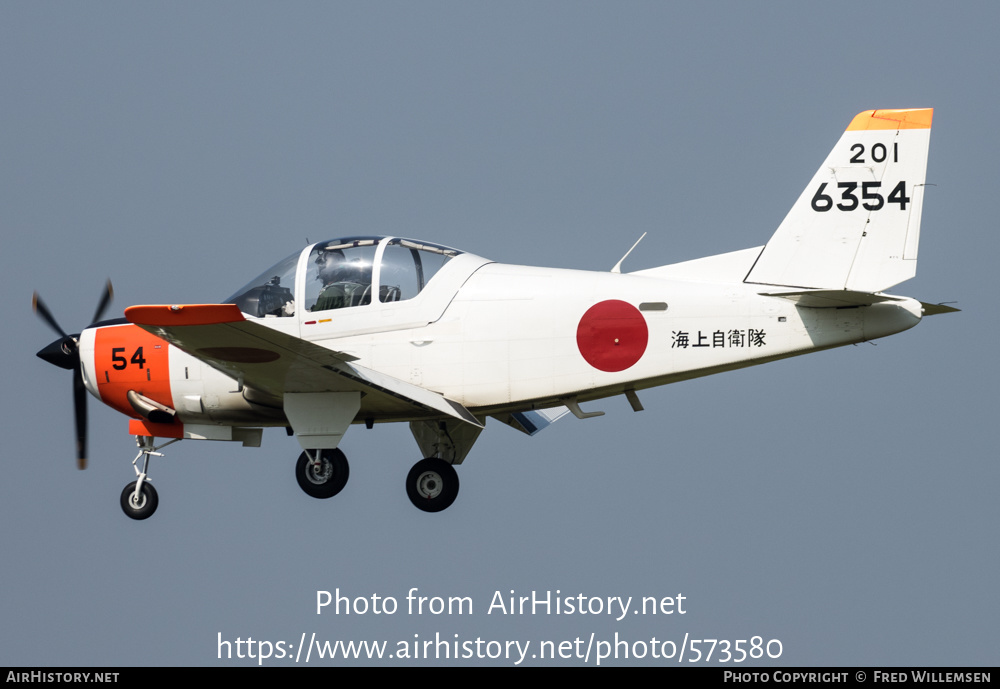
<point>325,478</point>
<point>144,506</point>
<point>432,484</point>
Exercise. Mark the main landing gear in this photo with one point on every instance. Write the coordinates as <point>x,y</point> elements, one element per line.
<point>139,499</point>
<point>322,473</point>
<point>431,485</point>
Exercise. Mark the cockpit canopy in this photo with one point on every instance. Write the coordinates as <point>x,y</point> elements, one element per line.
<point>344,273</point>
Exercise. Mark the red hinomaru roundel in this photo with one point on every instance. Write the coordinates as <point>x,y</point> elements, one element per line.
<point>612,335</point>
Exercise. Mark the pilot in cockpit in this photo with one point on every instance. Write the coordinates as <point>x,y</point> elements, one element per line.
<point>345,283</point>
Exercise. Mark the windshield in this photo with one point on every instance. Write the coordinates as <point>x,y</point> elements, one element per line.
<point>270,294</point>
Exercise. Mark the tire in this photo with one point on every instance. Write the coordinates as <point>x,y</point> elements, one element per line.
<point>328,479</point>
<point>432,485</point>
<point>148,501</point>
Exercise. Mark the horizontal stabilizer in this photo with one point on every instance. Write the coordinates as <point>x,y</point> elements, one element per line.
<point>935,309</point>
<point>831,298</point>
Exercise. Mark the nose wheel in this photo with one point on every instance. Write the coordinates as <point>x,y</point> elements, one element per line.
<point>141,503</point>
<point>322,473</point>
<point>432,484</point>
<point>139,499</point>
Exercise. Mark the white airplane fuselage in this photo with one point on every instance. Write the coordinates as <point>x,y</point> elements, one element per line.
<point>513,338</point>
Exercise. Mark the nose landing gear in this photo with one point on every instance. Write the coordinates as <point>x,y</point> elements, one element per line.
<point>139,502</point>
<point>139,499</point>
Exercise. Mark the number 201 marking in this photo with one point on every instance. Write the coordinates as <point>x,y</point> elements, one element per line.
<point>878,153</point>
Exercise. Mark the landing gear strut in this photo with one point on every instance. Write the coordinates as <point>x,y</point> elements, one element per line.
<point>139,499</point>
<point>432,484</point>
<point>322,473</point>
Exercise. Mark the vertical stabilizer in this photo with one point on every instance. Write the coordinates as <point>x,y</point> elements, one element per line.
<point>857,225</point>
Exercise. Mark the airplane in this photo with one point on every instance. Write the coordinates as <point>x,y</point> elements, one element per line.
<point>380,329</point>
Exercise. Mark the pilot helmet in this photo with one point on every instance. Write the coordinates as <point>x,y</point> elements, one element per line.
<point>331,265</point>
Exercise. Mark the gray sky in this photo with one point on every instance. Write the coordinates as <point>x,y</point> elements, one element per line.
<point>843,503</point>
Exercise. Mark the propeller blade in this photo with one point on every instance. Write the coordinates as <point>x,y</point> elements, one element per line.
<point>65,353</point>
<point>39,307</point>
<point>106,298</point>
<point>80,412</point>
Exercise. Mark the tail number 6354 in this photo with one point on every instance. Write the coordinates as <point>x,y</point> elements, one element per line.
<point>870,200</point>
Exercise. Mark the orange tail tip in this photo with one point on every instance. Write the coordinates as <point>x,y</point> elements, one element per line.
<point>917,118</point>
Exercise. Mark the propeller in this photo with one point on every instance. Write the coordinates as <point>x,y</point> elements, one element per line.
<point>65,353</point>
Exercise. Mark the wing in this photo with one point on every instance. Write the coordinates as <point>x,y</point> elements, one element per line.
<point>277,363</point>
